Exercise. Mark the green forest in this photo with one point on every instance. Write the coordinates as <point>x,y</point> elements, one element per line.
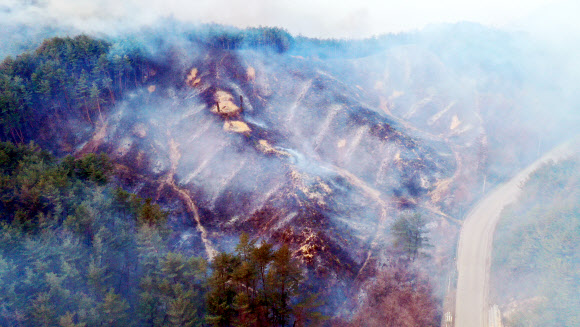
<point>76,78</point>
<point>536,262</point>
<point>75,251</point>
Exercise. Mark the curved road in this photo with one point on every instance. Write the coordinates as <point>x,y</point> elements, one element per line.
<point>475,243</point>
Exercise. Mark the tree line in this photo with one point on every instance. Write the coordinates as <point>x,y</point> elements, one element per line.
<point>75,77</point>
<point>76,251</point>
<point>81,77</point>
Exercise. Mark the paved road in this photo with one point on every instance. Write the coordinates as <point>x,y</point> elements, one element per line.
<point>475,244</point>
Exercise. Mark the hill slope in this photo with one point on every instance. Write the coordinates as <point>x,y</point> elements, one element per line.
<point>319,144</point>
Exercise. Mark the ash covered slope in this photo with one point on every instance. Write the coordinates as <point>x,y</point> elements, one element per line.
<point>317,143</point>
<point>323,143</point>
<point>276,145</point>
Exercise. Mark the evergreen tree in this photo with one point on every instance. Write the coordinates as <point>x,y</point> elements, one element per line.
<point>284,278</point>
<point>68,321</point>
<point>113,310</point>
<point>221,294</point>
<point>409,232</point>
<point>256,286</point>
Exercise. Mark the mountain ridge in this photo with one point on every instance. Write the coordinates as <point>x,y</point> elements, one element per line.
<point>319,144</point>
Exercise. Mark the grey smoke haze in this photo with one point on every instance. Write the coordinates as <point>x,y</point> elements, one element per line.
<point>312,18</point>
<point>444,67</point>
<point>321,18</point>
<point>551,65</point>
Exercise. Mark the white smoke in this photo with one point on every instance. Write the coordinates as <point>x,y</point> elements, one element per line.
<point>315,18</point>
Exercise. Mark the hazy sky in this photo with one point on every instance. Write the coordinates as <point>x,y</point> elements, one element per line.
<point>320,18</point>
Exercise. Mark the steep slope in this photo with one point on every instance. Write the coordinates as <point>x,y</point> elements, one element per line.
<point>320,144</point>
<point>278,147</point>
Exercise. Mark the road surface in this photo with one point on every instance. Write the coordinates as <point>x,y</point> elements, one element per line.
<point>475,243</point>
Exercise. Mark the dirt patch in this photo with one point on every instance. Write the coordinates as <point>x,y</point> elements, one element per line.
<point>384,105</point>
<point>224,104</point>
<point>455,122</point>
<point>397,157</point>
<point>265,147</point>
<point>237,126</point>
<point>251,73</point>
<point>192,79</point>
<point>93,144</point>
<point>441,187</point>
<point>440,190</point>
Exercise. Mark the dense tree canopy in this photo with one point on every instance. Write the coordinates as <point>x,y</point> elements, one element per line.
<point>258,286</point>
<point>75,251</point>
<point>536,261</point>
<point>73,77</point>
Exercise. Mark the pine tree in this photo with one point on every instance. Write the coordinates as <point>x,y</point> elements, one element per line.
<point>113,310</point>
<point>284,278</point>
<point>68,321</point>
<point>41,311</point>
<point>306,312</point>
<point>409,232</point>
<point>181,311</point>
<point>220,298</point>
<point>95,95</point>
